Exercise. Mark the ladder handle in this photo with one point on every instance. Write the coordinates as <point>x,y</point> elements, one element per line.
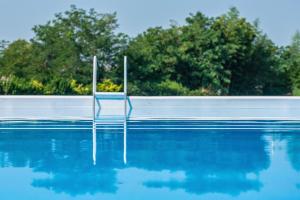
<point>126,99</point>
<point>125,87</point>
<point>125,75</point>
<point>94,85</point>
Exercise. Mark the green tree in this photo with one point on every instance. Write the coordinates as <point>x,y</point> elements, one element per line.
<point>16,59</point>
<point>152,59</point>
<point>218,56</point>
<point>225,55</point>
<point>291,62</point>
<point>64,46</point>
<point>3,45</point>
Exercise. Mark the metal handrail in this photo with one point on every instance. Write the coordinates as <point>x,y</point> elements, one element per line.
<point>125,87</point>
<point>94,85</point>
<point>95,88</point>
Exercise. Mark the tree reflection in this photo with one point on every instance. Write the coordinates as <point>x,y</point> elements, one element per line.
<point>213,161</point>
<point>293,149</point>
<point>66,156</point>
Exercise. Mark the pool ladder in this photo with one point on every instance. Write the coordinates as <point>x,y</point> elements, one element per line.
<point>115,96</point>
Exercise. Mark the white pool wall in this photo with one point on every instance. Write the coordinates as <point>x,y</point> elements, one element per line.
<point>198,108</point>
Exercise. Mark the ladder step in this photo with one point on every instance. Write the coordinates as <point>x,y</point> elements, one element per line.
<point>110,118</point>
<point>99,96</point>
<point>110,95</point>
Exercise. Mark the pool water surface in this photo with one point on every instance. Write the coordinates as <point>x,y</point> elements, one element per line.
<point>209,160</point>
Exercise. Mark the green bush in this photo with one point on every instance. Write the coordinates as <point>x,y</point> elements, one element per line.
<point>18,86</point>
<point>36,87</point>
<point>108,86</point>
<point>80,88</point>
<point>171,88</point>
<point>58,87</point>
<point>296,91</point>
<point>6,85</point>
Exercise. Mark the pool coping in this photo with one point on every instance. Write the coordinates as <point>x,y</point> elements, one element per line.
<point>149,97</point>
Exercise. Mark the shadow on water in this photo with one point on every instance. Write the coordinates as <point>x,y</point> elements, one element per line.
<point>223,161</point>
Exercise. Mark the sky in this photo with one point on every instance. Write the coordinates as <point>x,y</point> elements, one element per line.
<point>279,19</point>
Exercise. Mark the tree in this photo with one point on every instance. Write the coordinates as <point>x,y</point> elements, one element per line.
<point>216,56</point>
<point>64,46</point>
<point>16,59</point>
<point>152,59</point>
<point>224,55</point>
<point>3,45</point>
<point>268,75</point>
<point>291,62</point>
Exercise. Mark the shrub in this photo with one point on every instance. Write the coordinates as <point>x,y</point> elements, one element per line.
<point>108,86</point>
<point>171,88</point>
<point>59,87</point>
<point>6,84</point>
<point>36,87</point>
<point>80,88</point>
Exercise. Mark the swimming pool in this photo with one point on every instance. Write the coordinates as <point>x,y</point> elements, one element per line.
<point>150,159</point>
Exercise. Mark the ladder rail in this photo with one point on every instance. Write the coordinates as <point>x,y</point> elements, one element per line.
<point>125,87</point>
<point>94,85</point>
<point>110,95</point>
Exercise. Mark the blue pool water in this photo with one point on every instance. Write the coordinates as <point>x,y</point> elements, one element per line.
<point>209,160</point>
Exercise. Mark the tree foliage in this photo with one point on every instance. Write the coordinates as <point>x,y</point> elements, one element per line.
<point>16,59</point>
<point>219,56</point>
<point>291,63</point>
<point>65,45</point>
<point>224,55</point>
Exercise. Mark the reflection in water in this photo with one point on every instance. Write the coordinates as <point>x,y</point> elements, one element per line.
<point>125,142</point>
<point>222,161</point>
<point>94,144</point>
<point>69,165</point>
<point>293,149</point>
